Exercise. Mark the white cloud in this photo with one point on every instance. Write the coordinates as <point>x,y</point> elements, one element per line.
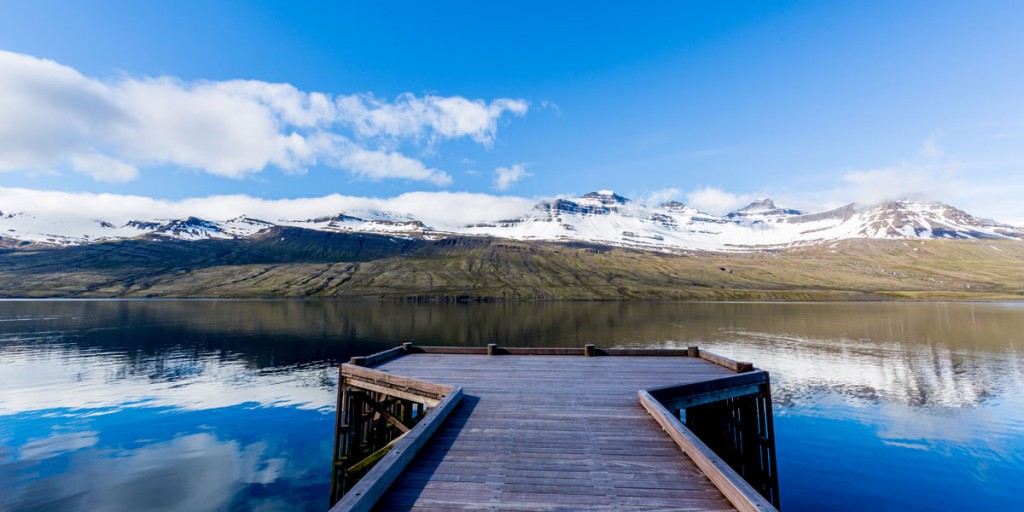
<point>52,116</point>
<point>378,164</point>
<point>338,151</point>
<point>505,177</point>
<point>717,201</point>
<point>48,112</point>
<point>458,208</point>
<point>438,209</point>
<point>660,196</point>
<point>434,116</point>
<point>932,176</point>
<point>901,181</point>
<point>203,126</point>
<point>102,167</point>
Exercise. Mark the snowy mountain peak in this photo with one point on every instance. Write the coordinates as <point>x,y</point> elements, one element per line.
<point>341,217</point>
<point>602,202</point>
<point>677,207</point>
<point>605,197</point>
<point>191,228</point>
<point>908,219</point>
<point>601,217</point>
<point>762,207</point>
<point>841,214</point>
<point>245,219</point>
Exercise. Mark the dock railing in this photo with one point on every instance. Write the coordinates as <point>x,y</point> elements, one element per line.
<point>382,420</point>
<point>724,425</point>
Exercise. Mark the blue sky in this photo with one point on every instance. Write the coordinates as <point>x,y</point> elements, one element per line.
<point>712,103</point>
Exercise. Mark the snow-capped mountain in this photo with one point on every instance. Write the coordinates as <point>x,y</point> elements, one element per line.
<point>364,222</point>
<point>601,217</point>
<point>762,209</point>
<point>761,224</point>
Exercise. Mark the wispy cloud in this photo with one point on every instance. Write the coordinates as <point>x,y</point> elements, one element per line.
<point>930,148</point>
<point>52,116</point>
<point>337,151</point>
<point>438,208</point>
<point>902,181</point>
<point>432,116</point>
<point>657,197</point>
<point>930,175</point>
<point>505,177</point>
<point>717,201</point>
<point>551,105</point>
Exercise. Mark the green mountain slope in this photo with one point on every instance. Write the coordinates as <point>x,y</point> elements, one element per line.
<point>291,262</point>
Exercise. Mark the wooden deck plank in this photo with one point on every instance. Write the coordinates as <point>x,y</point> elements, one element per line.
<point>552,432</point>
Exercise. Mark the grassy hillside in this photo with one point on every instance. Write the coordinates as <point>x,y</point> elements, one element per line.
<point>302,263</point>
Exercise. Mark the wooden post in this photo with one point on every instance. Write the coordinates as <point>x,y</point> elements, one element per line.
<point>354,448</point>
<point>693,351</point>
<point>769,459</point>
<point>588,350</point>
<point>492,349</point>
<point>340,428</point>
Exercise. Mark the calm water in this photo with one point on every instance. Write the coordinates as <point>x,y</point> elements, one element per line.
<point>218,405</point>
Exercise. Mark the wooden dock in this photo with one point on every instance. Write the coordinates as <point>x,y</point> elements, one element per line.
<point>433,428</point>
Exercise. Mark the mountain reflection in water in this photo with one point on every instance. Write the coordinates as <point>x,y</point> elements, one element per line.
<point>214,405</point>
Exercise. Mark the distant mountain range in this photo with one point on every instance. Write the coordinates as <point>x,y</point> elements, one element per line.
<point>601,217</point>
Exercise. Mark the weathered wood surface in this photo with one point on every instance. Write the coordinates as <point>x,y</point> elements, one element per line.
<point>364,377</point>
<point>371,487</point>
<point>552,433</point>
<point>681,396</point>
<point>735,488</point>
<point>737,366</point>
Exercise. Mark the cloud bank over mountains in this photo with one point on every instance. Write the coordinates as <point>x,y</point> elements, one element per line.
<point>436,208</point>
<point>929,175</point>
<point>53,117</point>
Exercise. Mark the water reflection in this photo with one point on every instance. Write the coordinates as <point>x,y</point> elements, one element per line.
<point>175,467</point>
<point>923,374</point>
<point>73,378</point>
<point>106,405</point>
<point>324,329</point>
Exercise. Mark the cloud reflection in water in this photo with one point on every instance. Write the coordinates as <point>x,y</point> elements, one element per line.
<point>109,404</point>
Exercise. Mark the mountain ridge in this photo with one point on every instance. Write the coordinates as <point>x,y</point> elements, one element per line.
<point>601,217</point>
<point>290,262</point>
